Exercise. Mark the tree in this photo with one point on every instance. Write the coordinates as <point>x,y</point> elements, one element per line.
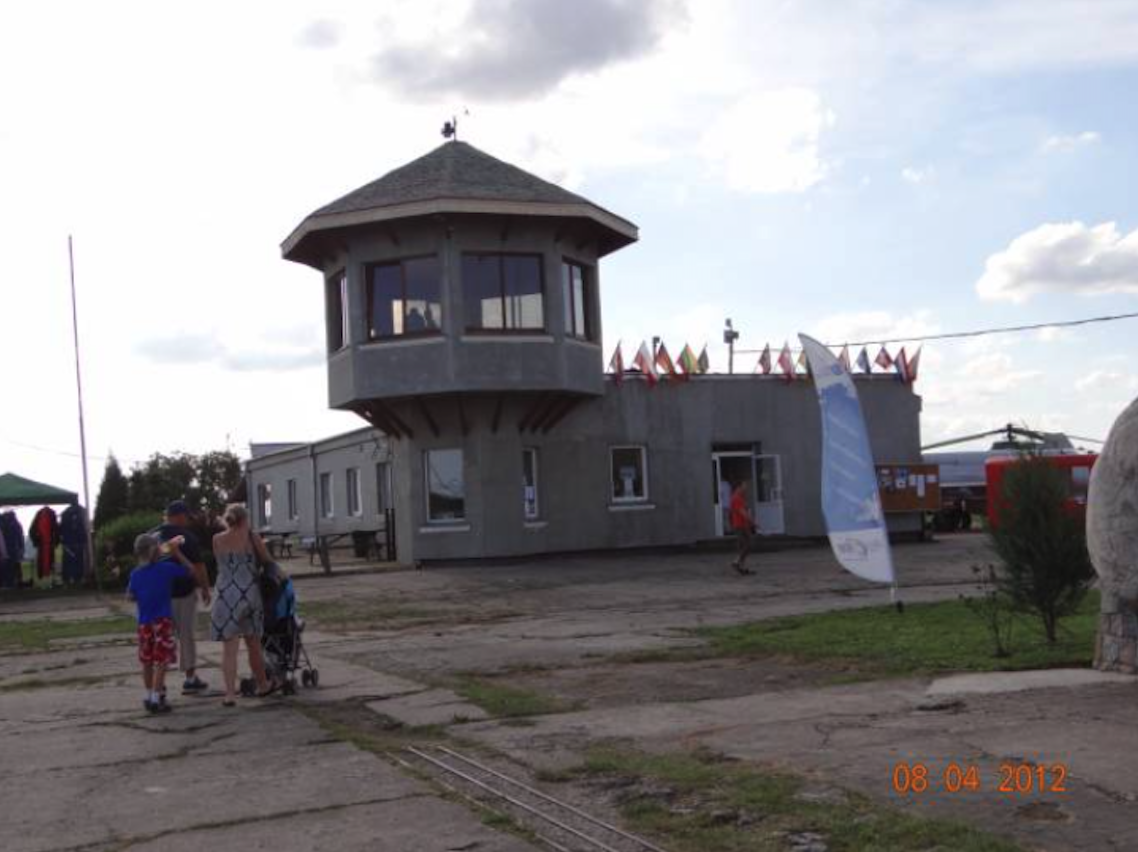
<point>114,494</point>
<point>219,474</point>
<point>204,482</point>
<point>1045,569</point>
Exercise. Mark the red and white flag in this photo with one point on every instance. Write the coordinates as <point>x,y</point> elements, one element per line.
<point>883,359</point>
<point>616,364</point>
<point>786,362</point>
<point>664,362</point>
<point>764,364</point>
<point>644,363</point>
<point>845,359</point>
<point>802,362</point>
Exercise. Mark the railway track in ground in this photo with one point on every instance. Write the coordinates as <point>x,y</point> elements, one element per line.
<point>556,823</point>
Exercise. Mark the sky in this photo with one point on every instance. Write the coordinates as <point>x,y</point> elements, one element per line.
<point>852,169</point>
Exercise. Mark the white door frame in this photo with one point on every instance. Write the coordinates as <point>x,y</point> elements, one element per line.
<point>770,514</point>
<point>719,509</point>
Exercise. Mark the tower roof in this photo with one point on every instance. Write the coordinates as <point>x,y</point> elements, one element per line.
<point>455,177</point>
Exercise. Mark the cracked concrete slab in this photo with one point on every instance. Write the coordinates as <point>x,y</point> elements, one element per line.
<point>428,707</point>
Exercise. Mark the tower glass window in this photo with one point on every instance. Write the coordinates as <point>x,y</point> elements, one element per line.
<point>576,291</point>
<point>352,479</point>
<point>403,297</point>
<point>336,311</point>
<point>445,485</point>
<point>503,292</point>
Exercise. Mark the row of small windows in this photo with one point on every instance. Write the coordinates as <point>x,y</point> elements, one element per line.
<point>445,484</point>
<point>326,496</point>
<point>501,293</point>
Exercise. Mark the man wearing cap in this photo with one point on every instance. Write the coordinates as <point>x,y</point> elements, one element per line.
<point>185,603</point>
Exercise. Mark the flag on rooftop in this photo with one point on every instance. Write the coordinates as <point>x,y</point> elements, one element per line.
<point>664,361</point>
<point>901,365</point>
<point>704,363</point>
<point>914,364</point>
<point>786,362</point>
<point>764,364</point>
<point>644,363</point>
<point>863,361</point>
<point>883,359</point>
<point>688,362</point>
<point>616,364</point>
<point>845,359</point>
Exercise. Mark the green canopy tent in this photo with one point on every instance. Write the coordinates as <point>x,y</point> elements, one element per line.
<point>18,491</point>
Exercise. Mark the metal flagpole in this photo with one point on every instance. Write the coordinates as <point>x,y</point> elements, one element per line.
<point>90,566</point>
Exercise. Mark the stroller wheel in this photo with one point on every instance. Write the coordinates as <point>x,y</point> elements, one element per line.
<point>306,678</point>
<point>314,679</point>
<point>248,686</point>
<point>289,687</point>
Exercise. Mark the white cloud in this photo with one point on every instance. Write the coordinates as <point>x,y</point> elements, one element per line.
<point>1065,144</point>
<point>1112,380</point>
<point>320,34</point>
<point>913,175</point>
<point>196,349</point>
<point>874,325</point>
<point>1063,258</point>
<point>768,142</point>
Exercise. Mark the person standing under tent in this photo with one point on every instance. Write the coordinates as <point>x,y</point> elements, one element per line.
<point>185,601</point>
<point>743,523</point>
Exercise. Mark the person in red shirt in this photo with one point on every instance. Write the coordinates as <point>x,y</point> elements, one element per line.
<point>743,524</point>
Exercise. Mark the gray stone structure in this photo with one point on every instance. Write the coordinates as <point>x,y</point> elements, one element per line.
<point>1112,539</point>
<point>506,437</point>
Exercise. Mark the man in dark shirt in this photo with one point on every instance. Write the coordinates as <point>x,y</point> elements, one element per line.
<point>185,603</point>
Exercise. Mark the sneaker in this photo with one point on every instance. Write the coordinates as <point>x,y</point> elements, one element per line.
<point>151,706</point>
<point>194,685</point>
<point>162,707</point>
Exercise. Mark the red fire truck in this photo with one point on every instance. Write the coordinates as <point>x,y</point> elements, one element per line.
<point>1075,466</point>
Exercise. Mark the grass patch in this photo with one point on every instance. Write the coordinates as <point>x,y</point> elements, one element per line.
<point>31,684</point>
<point>29,636</point>
<point>926,638</point>
<point>506,702</point>
<point>378,613</point>
<point>693,802</point>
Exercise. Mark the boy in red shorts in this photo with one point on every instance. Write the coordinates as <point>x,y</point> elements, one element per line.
<point>149,586</point>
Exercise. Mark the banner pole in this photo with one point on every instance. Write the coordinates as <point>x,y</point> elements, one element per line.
<point>89,565</point>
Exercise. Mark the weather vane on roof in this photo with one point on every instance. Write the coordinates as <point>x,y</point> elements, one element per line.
<point>450,129</point>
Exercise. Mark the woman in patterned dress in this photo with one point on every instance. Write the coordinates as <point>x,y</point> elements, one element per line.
<point>238,612</point>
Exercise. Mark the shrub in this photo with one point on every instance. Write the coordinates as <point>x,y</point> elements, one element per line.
<point>1045,568</point>
<point>116,539</point>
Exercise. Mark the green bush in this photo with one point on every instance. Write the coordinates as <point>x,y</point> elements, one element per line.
<point>1045,568</point>
<point>116,539</point>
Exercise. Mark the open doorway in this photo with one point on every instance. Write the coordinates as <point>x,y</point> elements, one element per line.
<point>763,477</point>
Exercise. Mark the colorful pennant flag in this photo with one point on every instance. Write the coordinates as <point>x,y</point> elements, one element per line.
<point>801,362</point>
<point>785,362</point>
<point>901,365</point>
<point>616,364</point>
<point>644,363</point>
<point>883,359</point>
<point>664,362</point>
<point>845,358</point>
<point>863,361</point>
<point>764,364</point>
<point>688,362</point>
<point>704,363</point>
<point>914,364</point>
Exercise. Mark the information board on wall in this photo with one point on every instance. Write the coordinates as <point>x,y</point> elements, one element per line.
<point>909,487</point>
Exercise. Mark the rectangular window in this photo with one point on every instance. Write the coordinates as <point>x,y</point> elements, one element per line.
<point>264,504</point>
<point>382,487</point>
<point>503,292</point>
<point>336,311</point>
<point>326,508</point>
<point>446,490</point>
<point>403,297</point>
<point>353,482</point>
<point>293,503</point>
<point>629,474</point>
<point>529,484</point>
<point>578,296</point>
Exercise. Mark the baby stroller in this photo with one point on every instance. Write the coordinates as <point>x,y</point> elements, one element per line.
<point>282,640</point>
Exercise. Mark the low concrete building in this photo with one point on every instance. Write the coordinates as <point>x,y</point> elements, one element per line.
<point>464,324</point>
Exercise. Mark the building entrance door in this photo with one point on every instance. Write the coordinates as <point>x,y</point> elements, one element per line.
<point>763,475</point>
<point>728,470</point>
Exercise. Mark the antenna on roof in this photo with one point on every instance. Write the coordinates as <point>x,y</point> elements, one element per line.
<point>450,129</point>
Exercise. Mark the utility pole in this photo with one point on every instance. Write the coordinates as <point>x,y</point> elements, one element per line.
<point>90,566</point>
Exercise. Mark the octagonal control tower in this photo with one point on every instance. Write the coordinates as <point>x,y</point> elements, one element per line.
<point>457,278</point>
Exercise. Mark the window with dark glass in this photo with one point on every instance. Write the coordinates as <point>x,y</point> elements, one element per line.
<point>403,297</point>
<point>336,311</point>
<point>576,292</point>
<point>264,504</point>
<point>503,292</point>
<point>529,484</point>
<point>353,483</point>
<point>326,507</point>
<point>445,486</point>
<point>293,506</point>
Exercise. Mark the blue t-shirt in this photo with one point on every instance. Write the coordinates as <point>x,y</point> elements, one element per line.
<point>150,587</point>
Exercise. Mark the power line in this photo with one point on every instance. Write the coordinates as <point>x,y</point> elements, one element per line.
<point>55,452</point>
<point>956,335</point>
